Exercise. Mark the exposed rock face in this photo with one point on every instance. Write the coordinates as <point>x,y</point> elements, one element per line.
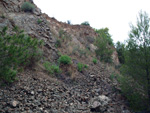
<point>7,6</point>
<point>81,37</point>
<point>13,16</point>
<point>10,6</point>
<point>115,57</point>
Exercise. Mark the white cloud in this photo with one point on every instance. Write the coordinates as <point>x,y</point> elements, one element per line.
<point>114,14</point>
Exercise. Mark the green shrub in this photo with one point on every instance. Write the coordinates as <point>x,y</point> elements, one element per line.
<point>39,21</point>
<point>52,69</point>
<point>16,51</point>
<point>120,48</point>
<point>104,45</point>
<point>103,50</point>
<point>133,92</point>
<point>27,7</point>
<point>59,53</point>
<point>61,33</point>
<point>94,60</point>
<point>81,67</point>
<point>104,33</point>
<point>64,36</point>
<point>86,23</point>
<point>64,59</point>
<point>112,76</point>
<point>55,69</point>
<point>58,43</point>
<point>85,66</point>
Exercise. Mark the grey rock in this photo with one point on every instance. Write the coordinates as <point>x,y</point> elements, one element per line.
<point>39,90</point>
<point>37,12</point>
<point>32,93</point>
<point>92,76</point>
<point>14,103</point>
<point>98,104</point>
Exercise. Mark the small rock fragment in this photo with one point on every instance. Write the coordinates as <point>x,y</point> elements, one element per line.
<point>92,76</point>
<point>32,92</point>
<point>14,103</point>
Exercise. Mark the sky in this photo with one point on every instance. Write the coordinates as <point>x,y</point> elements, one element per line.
<point>113,14</point>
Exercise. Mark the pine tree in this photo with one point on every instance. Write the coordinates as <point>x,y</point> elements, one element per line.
<point>120,47</point>
<point>137,56</point>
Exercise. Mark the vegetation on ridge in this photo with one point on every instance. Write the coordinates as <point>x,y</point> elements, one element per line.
<point>104,45</point>
<point>86,23</point>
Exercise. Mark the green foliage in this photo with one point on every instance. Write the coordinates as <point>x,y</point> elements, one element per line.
<point>63,35</point>
<point>133,92</point>
<point>85,66</point>
<point>94,60</point>
<point>27,7</point>
<point>120,47</point>
<point>39,21</point>
<point>64,59</point>
<point>16,50</point>
<point>81,67</point>
<point>104,33</point>
<point>104,45</point>
<point>112,76</point>
<point>86,23</point>
<point>59,53</point>
<point>137,61</point>
<point>52,69</point>
<point>58,43</point>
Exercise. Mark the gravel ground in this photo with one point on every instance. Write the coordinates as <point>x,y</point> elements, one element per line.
<point>36,92</point>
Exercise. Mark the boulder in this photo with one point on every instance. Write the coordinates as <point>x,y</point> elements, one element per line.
<point>99,104</point>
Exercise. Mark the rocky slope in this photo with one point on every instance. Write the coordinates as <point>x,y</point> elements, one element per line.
<point>11,15</point>
<point>71,91</point>
<point>75,37</point>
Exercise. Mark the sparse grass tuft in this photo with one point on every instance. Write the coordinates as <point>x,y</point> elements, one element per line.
<point>39,21</point>
<point>52,69</point>
<point>81,67</point>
